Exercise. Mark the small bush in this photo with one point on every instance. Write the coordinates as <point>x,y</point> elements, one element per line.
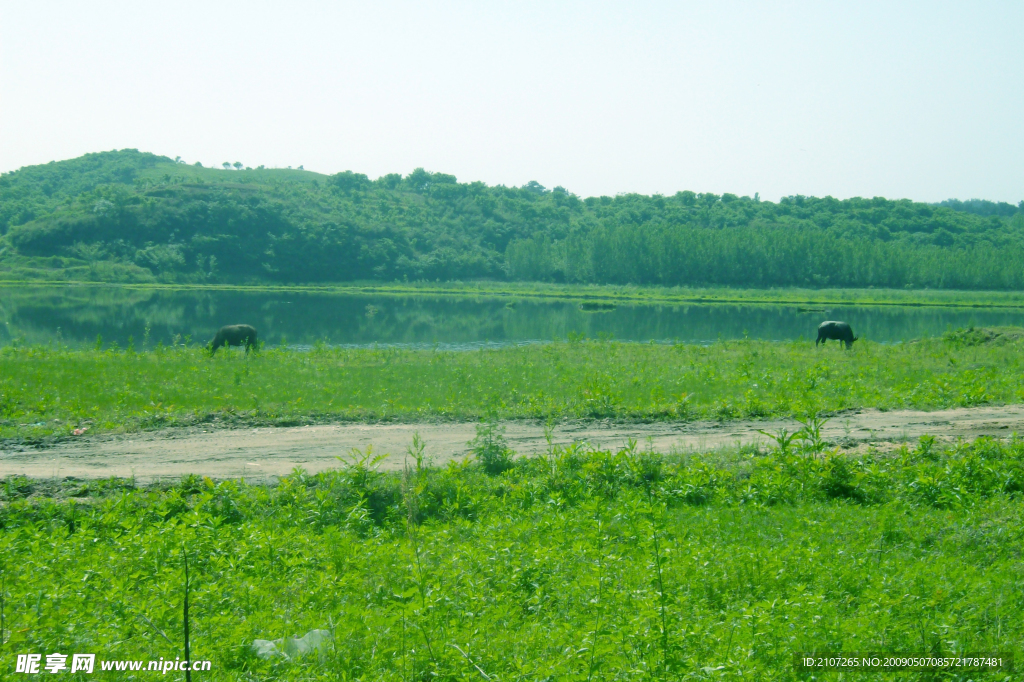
<point>838,479</point>
<point>491,449</point>
<point>16,487</point>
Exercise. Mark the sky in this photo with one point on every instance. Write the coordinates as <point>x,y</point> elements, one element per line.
<point>918,100</point>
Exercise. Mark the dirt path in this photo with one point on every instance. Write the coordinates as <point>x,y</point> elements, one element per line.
<point>268,452</point>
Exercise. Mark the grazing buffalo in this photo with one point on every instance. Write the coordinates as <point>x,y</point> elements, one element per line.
<point>234,335</point>
<point>840,331</point>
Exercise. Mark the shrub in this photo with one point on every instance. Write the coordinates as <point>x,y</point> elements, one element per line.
<point>491,449</point>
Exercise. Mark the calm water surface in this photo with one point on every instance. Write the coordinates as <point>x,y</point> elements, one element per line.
<point>77,315</point>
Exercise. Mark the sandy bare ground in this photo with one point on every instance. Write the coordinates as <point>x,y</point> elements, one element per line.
<point>269,452</point>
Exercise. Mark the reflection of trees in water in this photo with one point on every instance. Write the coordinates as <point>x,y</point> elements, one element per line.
<point>709,322</point>
<point>302,318</point>
<point>894,324</point>
<point>424,320</point>
<point>83,313</point>
<point>348,319</point>
<point>644,323</point>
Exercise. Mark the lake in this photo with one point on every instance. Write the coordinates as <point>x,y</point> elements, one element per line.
<point>76,315</point>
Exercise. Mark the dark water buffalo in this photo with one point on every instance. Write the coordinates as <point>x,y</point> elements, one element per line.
<point>839,331</point>
<point>234,335</point>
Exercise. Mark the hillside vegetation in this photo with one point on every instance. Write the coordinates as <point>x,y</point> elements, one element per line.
<point>128,215</point>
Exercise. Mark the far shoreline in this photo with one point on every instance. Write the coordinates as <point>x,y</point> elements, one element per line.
<point>624,294</point>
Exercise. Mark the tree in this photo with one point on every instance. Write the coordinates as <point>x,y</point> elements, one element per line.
<point>348,181</point>
<point>237,165</point>
<point>427,226</point>
<point>227,165</point>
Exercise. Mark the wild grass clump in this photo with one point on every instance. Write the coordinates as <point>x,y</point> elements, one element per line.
<point>49,392</point>
<point>582,564</point>
<point>491,449</point>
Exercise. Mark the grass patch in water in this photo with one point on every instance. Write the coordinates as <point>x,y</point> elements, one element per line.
<point>597,307</point>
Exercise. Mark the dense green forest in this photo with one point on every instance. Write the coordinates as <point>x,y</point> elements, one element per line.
<point>129,215</point>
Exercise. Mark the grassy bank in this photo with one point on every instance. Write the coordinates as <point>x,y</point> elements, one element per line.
<point>581,565</point>
<point>624,294</point>
<point>49,391</point>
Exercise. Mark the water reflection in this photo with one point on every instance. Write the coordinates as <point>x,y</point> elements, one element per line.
<point>77,315</point>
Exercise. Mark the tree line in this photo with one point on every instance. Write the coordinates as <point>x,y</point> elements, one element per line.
<point>176,222</point>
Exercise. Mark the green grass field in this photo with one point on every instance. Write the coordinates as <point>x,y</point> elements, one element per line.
<point>49,391</point>
<point>580,565</point>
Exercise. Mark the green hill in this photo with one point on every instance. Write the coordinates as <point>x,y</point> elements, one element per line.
<point>129,215</point>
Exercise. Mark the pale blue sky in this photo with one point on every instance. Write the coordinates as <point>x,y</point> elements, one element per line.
<point>920,100</point>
